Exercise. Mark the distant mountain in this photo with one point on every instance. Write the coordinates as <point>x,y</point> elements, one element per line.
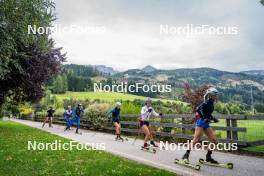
<point>106,71</point>
<point>254,72</point>
<point>149,69</point>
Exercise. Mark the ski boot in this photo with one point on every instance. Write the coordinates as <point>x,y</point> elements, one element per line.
<point>185,162</point>
<point>209,159</point>
<point>153,144</point>
<point>185,157</point>
<point>148,148</point>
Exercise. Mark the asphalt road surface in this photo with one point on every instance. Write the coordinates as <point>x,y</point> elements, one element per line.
<point>163,159</point>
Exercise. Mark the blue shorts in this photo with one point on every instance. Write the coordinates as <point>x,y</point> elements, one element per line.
<point>202,124</point>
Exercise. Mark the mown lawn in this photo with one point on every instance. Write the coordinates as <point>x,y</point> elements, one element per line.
<point>16,159</point>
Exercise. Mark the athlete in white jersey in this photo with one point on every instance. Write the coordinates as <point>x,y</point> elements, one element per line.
<point>146,112</point>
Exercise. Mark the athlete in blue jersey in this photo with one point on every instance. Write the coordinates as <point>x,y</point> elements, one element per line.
<point>203,118</point>
<point>115,114</point>
<point>68,114</point>
<point>77,117</point>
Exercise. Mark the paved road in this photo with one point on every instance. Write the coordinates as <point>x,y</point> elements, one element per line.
<point>163,159</point>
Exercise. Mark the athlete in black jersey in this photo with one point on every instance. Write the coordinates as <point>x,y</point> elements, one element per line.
<point>49,117</point>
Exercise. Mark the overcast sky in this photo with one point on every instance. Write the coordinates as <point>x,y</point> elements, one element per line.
<point>131,35</point>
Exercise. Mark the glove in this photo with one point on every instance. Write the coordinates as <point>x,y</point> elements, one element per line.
<point>150,110</point>
<point>207,120</point>
<point>160,114</point>
<point>140,119</point>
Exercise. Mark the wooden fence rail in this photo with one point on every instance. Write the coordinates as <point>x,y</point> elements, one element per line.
<point>177,126</point>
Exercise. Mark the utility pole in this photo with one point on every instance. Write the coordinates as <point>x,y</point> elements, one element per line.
<point>252,100</point>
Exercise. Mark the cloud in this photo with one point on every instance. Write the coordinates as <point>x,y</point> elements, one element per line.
<point>132,38</point>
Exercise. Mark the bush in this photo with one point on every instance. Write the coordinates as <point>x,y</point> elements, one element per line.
<point>129,107</point>
<point>97,109</point>
<point>25,110</point>
<point>95,114</point>
<point>41,114</point>
<point>59,112</point>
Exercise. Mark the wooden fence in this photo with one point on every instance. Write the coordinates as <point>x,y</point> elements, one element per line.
<point>174,126</point>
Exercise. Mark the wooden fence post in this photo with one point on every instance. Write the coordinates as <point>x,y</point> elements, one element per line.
<point>234,133</point>
<point>228,132</point>
<point>183,123</point>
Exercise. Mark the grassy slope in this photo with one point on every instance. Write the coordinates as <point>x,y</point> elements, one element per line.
<point>107,96</point>
<point>15,159</point>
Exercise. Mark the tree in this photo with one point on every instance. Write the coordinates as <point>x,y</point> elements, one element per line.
<point>57,85</point>
<point>194,97</point>
<point>27,60</point>
<point>262,2</point>
<point>259,107</point>
<point>60,84</point>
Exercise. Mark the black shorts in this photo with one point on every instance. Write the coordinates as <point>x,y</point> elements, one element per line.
<point>144,123</point>
<point>116,121</point>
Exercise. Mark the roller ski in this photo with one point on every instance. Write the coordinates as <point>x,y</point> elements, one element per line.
<point>148,148</point>
<point>212,162</point>
<point>67,129</point>
<point>118,138</point>
<point>80,133</point>
<point>185,162</point>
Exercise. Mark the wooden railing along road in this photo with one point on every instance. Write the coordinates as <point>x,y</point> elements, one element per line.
<point>175,126</point>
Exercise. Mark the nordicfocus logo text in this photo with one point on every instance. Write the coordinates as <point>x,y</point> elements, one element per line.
<point>59,145</point>
<point>137,87</point>
<point>204,145</point>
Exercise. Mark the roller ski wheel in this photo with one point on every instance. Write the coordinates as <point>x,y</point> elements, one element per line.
<point>186,163</point>
<point>224,165</point>
<point>149,149</point>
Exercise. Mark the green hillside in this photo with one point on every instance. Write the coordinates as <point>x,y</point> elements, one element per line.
<point>233,87</point>
<point>107,96</point>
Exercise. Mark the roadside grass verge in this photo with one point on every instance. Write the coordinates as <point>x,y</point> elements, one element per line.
<point>16,159</point>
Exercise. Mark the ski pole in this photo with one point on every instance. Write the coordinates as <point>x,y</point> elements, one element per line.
<point>139,129</point>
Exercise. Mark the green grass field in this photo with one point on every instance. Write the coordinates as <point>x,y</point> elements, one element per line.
<point>254,129</point>
<point>106,96</point>
<point>254,132</point>
<point>17,160</point>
